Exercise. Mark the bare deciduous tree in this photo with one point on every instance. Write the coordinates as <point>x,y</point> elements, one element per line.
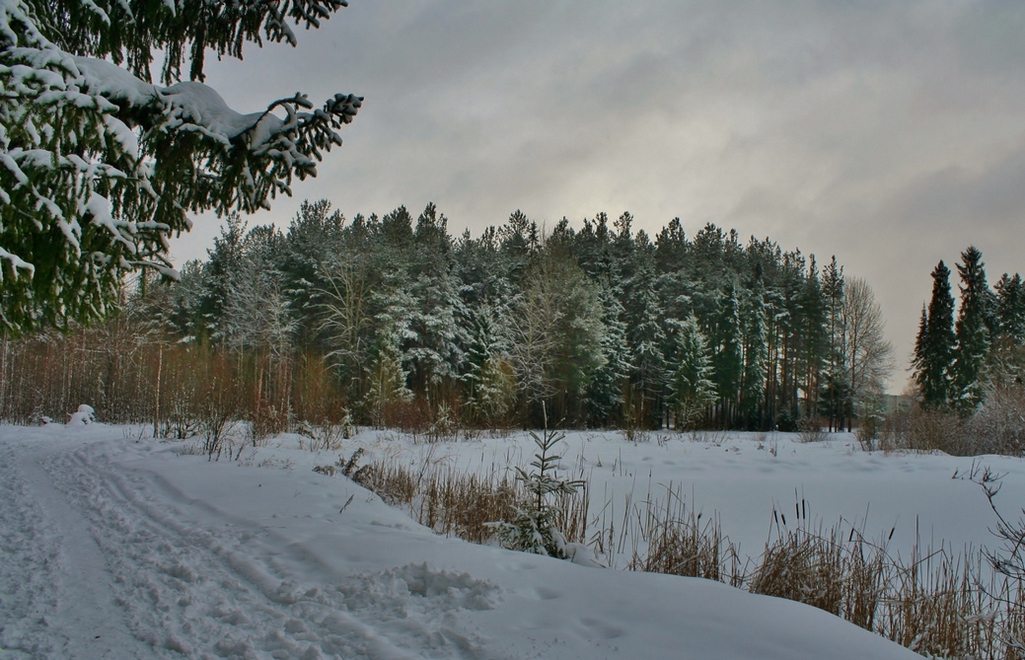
<point>868,357</point>
<point>345,315</point>
<point>534,325</point>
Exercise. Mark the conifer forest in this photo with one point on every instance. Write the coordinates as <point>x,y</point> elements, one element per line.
<point>392,321</point>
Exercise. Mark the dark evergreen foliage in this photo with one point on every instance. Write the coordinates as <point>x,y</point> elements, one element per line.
<point>972,331</point>
<point>956,365</point>
<point>1010,309</point>
<point>934,347</point>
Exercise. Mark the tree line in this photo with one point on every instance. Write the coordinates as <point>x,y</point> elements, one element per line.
<point>603,324</point>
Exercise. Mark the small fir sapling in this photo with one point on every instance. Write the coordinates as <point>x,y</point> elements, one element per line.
<point>533,527</point>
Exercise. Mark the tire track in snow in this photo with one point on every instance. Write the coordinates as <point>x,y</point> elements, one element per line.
<point>203,590</point>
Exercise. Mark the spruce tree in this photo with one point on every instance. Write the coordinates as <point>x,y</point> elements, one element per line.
<point>314,239</point>
<point>604,397</point>
<point>386,380</point>
<point>834,386</point>
<point>814,337</point>
<point>934,346</point>
<point>433,341</point>
<point>647,341</point>
<point>971,331</point>
<point>489,376</point>
<point>1011,309</point>
<point>1006,360</point>
<point>690,381</point>
<point>752,388</point>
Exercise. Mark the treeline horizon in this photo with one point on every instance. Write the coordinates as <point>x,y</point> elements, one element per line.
<point>600,326</point>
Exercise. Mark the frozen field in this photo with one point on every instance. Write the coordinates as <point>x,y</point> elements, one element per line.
<point>118,546</point>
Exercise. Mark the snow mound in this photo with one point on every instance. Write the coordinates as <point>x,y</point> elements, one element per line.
<point>84,415</point>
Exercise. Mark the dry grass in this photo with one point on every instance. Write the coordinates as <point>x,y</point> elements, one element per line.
<point>664,535</point>
<point>940,604</point>
<point>463,503</point>
<point>805,567</point>
<point>679,542</point>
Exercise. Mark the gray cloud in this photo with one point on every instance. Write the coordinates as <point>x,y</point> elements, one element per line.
<point>889,134</point>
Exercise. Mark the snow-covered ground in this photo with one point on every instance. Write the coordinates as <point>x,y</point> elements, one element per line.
<point>115,545</point>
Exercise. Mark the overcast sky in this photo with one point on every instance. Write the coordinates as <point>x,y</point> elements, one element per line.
<point>891,134</point>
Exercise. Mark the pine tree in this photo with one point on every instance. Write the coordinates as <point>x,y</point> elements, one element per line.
<point>727,355</point>
<point>752,387</point>
<point>934,347</point>
<point>102,165</point>
<point>971,331</point>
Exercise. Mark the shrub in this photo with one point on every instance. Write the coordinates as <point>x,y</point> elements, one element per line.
<point>811,429</point>
<point>921,429</point>
<point>998,426</point>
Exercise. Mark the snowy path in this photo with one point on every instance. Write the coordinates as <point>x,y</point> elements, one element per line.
<point>122,549</point>
<point>69,606</point>
<point>118,568</point>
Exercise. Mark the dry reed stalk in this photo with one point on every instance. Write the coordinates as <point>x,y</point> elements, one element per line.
<point>803,566</point>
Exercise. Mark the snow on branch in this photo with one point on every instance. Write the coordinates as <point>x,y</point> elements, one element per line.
<point>98,166</point>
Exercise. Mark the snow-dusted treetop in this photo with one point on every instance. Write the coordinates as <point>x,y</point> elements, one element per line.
<point>99,165</point>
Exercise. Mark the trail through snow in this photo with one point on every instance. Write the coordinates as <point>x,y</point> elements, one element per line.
<point>118,567</point>
<point>66,604</point>
<point>115,547</point>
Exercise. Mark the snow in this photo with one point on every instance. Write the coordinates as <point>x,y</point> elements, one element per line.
<point>190,105</point>
<point>199,104</point>
<point>117,545</point>
<point>84,415</point>
<point>114,83</point>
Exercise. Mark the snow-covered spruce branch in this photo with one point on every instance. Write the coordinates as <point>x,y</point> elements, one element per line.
<point>98,166</point>
<point>182,29</point>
